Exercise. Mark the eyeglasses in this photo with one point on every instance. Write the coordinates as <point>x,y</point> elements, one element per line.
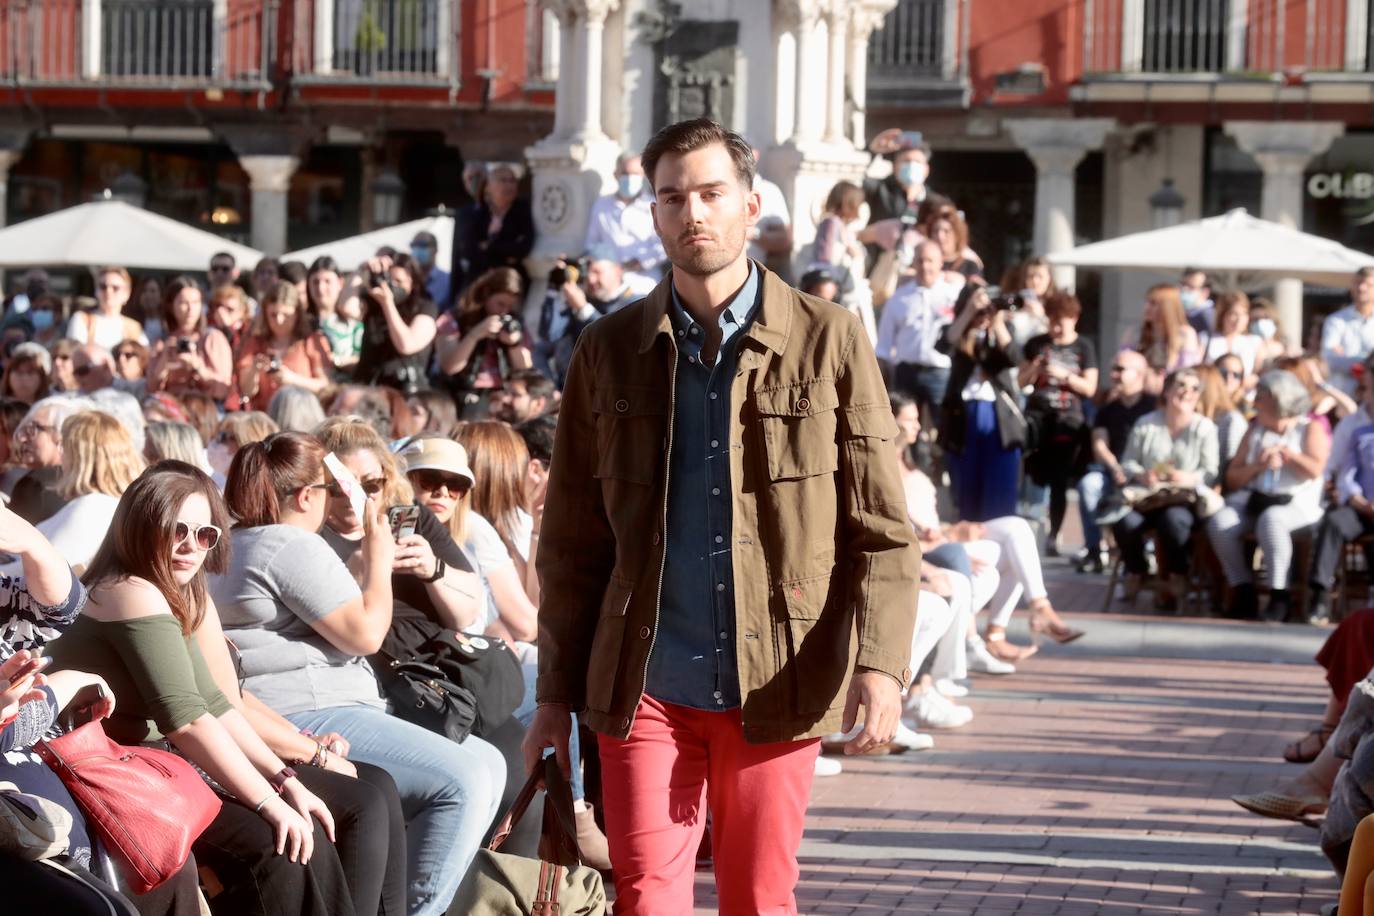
<point>1231,373</point>
<point>430,481</point>
<point>126,354</point>
<point>30,430</point>
<point>373,486</point>
<point>313,486</point>
<point>207,536</point>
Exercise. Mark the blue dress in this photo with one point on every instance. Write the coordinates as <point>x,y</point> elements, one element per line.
<point>984,475</point>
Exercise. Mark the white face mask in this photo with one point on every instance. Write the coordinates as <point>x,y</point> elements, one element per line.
<point>1190,298</point>
<point>630,186</point>
<point>1264,327</point>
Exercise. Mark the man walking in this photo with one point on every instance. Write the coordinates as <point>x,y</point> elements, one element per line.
<point>727,567</point>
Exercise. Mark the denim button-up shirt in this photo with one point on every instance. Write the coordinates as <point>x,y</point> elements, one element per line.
<point>693,661</point>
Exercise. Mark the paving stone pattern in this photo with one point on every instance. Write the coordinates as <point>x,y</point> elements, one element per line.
<point>1094,781</point>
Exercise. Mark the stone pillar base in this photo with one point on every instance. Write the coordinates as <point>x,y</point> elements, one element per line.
<point>806,172</point>
<point>568,177</point>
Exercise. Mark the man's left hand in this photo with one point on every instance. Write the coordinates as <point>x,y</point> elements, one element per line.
<point>881,699</point>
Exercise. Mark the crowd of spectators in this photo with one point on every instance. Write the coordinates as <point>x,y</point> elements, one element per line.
<point>190,418</point>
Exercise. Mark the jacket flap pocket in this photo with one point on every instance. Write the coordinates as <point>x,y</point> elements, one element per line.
<point>616,601</point>
<point>800,400</point>
<point>629,401</point>
<point>806,598</point>
<point>875,422</point>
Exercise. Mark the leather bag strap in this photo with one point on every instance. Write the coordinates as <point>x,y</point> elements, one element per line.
<point>517,809</point>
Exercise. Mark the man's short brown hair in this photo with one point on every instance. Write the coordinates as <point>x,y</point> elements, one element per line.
<point>688,136</point>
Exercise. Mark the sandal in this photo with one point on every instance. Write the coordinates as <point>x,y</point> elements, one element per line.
<point>1282,807</point>
<point>1001,649</point>
<point>1307,748</point>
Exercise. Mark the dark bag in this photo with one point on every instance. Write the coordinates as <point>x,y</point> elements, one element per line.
<point>1258,501</point>
<point>422,693</point>
<point>483,667</point>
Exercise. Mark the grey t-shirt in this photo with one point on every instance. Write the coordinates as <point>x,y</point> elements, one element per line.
<point>281,578</point>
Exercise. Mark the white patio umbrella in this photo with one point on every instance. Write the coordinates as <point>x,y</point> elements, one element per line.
<point>114,232</point>
<point>1236,244</point>
<point>355,250</point>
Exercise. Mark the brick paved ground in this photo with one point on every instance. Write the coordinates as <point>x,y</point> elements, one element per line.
<point>1094,781</point>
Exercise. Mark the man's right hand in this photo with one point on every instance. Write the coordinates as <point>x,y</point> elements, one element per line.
<point>551,727</point>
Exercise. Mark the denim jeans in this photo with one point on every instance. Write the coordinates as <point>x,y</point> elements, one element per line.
<point>926,384</point>
<point>450,793</point>
<point>1094,486</point>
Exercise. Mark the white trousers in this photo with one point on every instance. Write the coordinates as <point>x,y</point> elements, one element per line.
<point>1273,528</point>
<point>1009,546</point>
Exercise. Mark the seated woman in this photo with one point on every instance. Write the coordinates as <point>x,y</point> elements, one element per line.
<point>176,442</point>
<point>192,356</point>
<point>37,609</point>
<point>1276,484</point>
<point>98,464</point>
<point>1232,337</point>
<point>281,350</point>
<point>1224,400</point>
<point>234,432</point>
<point>26,373</point>
<point>1164,337</point>
<point>481,342</point>
<point>304,628</point>
<point>1174,446</point>
<point>140,631</point>
<point>1007,545</point>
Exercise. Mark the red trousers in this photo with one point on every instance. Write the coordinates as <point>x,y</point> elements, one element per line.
<point>655,787</point>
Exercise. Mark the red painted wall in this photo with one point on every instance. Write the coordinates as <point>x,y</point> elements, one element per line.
<point>1004,34</point>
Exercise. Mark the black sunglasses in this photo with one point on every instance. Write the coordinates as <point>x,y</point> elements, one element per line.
<point>207,536</point>
<point>431,481</point>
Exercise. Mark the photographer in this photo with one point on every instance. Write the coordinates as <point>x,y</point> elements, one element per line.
<point>281,350</point>
<point>568,308</point>
<point>398,326</point>
<point>982,429</point>
<point>485,342</point>
<point>191,356</point>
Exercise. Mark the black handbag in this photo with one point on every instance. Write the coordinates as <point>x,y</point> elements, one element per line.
<point>422,693</point>
<point>1259,502</point>
<point>486,667</point>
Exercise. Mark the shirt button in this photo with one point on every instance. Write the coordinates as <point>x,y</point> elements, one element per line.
<point>713,395</point>
<point>715,443</point>
<point>643,632</point>
<point>691,359</point>
<point>694,331</point>
<point>716,694</point>
<point>719,539</point>
<point>724,635</point>
<point>715,491</point>
<point>720,586</point>
<point>681,333</point>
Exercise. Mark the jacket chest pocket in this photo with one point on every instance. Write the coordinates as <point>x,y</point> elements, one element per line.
<point>630,432</point>
<point>799,429</point>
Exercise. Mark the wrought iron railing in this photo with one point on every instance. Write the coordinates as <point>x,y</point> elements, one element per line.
<point>397,41</point>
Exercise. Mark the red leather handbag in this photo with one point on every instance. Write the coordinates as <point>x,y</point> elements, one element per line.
<point>147,806</point>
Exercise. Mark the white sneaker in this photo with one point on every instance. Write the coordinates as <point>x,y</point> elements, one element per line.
<point>983,661</point>
<point>911,739</point>
<point>950,688</point>
<point>828,766</point>
<point>934,711</point>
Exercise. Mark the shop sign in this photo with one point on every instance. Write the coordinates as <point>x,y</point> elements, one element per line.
<point>1357,185</point>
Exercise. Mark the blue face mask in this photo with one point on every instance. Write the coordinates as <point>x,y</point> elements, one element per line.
<point>42,319</point>
<point>630,186</point>
<point>1190,298</point>
<point>424,254</point>
<point>1264,327</point>
<point>910,173</point>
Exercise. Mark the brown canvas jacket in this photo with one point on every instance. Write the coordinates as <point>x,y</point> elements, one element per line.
<point>825,558</point>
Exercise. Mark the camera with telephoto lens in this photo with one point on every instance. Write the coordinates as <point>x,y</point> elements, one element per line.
<point>1004,301</point>
<point>568,269</point>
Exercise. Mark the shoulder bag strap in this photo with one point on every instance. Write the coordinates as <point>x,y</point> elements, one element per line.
<point>517,809</point>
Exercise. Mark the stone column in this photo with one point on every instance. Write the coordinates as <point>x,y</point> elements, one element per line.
<point>806,18</point>
<point>1283,149</point>
<point>864,20</point>
<point>590,23</point>
<point>270,179</point>
<point>91,38</point>
<point>836,26</point>
<point>1056,146</point>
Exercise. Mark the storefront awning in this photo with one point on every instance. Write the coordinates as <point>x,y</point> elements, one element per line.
<point>1236,244</point>
<point>114,232</point>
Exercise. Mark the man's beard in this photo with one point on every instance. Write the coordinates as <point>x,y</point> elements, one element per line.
<point>702,262</point>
